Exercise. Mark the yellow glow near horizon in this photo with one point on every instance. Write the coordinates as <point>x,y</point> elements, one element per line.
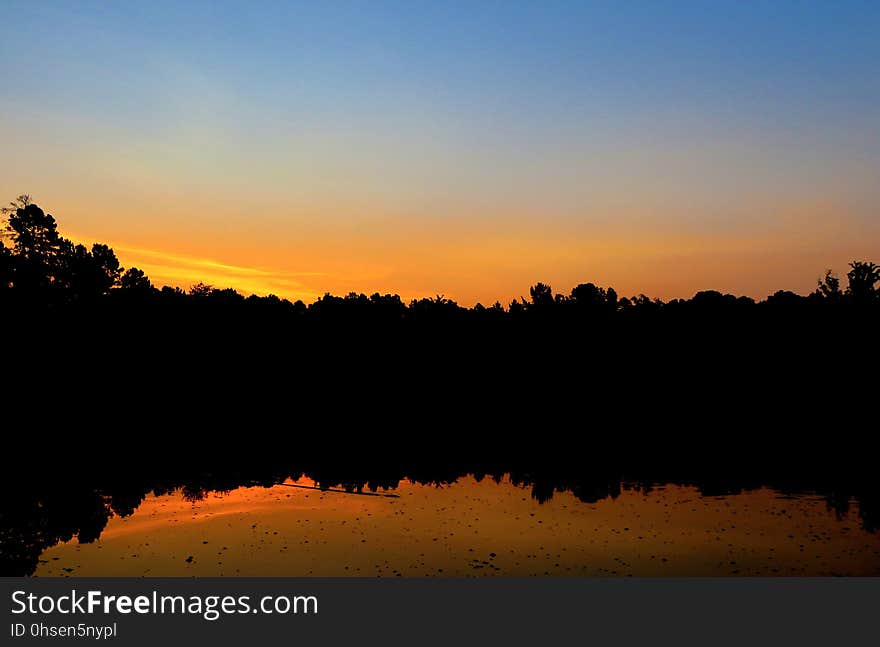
<point>182,271</point>
<point>484,260</point>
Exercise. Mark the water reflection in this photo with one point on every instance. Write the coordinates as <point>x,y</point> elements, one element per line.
<point>235,522</point>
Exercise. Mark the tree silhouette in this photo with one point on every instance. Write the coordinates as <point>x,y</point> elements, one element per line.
<point>35,245</point>
<point>135,281</point>
<point>590,299</point>
<point>542,295</point>
<point>863,276</point>
<point>87,274</point>
<point>6,264</point>
<point>829,286</point>
<point>201,290</point>
<point>42,267</point>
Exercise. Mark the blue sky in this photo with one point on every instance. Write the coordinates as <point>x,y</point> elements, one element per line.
<point>525,124</point>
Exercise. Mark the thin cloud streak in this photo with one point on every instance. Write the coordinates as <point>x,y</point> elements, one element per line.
<point>180,270</point>
<point>210,264</point>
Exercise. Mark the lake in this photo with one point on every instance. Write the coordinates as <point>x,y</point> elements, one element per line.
<point>468,526</point>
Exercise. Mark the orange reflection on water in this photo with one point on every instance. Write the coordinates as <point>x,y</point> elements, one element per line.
<point>473,528</point>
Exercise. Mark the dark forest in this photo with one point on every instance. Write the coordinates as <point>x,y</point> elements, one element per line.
<point>91,341</point>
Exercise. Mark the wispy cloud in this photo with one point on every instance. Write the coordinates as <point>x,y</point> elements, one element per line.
<point>166,268</point>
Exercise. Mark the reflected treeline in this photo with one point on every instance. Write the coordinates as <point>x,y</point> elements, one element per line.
<point>41,505</point>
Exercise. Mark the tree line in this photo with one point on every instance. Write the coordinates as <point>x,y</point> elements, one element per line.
<point>87,340</point>
<point>39,268</point>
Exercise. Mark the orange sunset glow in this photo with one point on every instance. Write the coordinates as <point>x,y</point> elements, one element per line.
<point>479,259</point>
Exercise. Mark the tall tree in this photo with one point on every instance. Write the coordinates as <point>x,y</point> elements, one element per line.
<point>35,245</point>
<point>541,294</point>
<point>6,260</point>
<point>829,286</point>
<point>34,233</point>
<point>134,280</point>
<point>863,277</point>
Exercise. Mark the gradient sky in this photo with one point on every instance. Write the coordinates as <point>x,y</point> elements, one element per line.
<point>462,148</point>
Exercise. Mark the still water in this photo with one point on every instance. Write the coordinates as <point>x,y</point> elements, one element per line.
<point>472,527</point>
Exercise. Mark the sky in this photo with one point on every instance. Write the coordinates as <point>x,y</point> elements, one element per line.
<point>468,149</point>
